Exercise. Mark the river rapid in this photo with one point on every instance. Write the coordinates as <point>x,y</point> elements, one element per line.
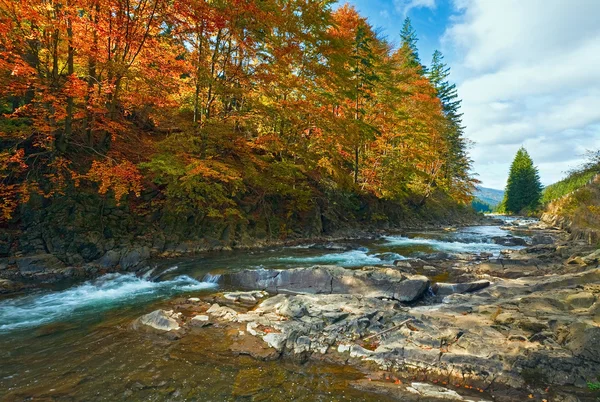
<point>75,342</point>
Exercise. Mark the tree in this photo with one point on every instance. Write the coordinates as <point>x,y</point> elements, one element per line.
<point>523,189</point>
<point>458,165</point>
<point>408,38</point>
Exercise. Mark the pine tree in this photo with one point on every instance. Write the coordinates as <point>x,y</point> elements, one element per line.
<point>523,189</point>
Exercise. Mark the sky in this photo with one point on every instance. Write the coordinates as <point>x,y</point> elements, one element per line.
<point>528,73</point>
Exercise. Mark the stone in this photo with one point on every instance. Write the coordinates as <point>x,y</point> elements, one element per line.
<point>509,241</point>
<point>35,264</point>
<point>434,392</point>
<point>369,281</point>
<point>275,340</point>
<point>8,286</point>
<point>581,300</point>
<point>110,259</point>
<point>162,320</point>
<point>445,289</point>
<point>541,239</point>
<point>200,320</point>
<point>134,257</point>
<point>592,258</point>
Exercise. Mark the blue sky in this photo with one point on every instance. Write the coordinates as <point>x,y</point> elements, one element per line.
<point>527,72</point>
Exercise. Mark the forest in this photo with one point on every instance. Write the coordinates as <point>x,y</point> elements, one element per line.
<point>220,104</point>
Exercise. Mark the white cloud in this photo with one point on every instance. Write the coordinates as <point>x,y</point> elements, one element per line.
<point>404,6</point>
<point>528,74</point>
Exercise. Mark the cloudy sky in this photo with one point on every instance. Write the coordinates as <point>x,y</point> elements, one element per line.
<point>528,72</point>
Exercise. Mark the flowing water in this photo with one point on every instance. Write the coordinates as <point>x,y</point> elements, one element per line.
<point>76,343</point>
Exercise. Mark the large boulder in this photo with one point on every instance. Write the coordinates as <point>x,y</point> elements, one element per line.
<point>377,282</point>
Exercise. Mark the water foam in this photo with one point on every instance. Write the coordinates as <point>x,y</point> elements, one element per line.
<point>100,294</point>
<point>448,246</point>
<point>352,258</point>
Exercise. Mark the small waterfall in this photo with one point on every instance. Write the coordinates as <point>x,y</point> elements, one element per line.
<point>211,278</point>
<point>430,292</point>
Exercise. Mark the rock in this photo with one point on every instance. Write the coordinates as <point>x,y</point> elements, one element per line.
<point>162,320</point>
<point>584,341</point>
<point>35,264</point>
<point>541,248</point>
<point>592,258</point>
<point>509,241</point>
<point>576,261</point>
<point>538,239</point>
<point>581,300</point>
<point>274,340</point>
<point>200,320</point>
<point>245,297</point>
<point>445,289</point>
<point>434,392</point>
<point>110,259</point>
<point>134,257</point>
<point>370,281</point>
<point>8,286</point>
<point>222,312</point>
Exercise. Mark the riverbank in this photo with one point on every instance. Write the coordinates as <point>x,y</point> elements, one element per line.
<point>520,325</point>
<point>82,239</point>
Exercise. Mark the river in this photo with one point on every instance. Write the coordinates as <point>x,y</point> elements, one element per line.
<point>74,342</point>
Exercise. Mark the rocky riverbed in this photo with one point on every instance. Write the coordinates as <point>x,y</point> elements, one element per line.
<point>519,325</point>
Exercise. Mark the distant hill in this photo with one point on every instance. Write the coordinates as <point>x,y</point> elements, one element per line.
<point>489,196</point>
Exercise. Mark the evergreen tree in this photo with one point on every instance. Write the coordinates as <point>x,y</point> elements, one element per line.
<point>459,163</point>
<point>409,39</point>
<point>365,76</point>
<point>523,189</point>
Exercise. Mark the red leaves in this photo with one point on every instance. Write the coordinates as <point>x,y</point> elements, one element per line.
<point>122,178</point>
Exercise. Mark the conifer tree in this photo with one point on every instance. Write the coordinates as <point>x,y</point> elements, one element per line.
<point>459,163</point>
<point>523,189</point>
<point>408,37</point>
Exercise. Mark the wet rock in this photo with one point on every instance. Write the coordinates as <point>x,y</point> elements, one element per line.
<point>509,241</point>
<point>162,320</point>
<point>370,281</point>
<point>445,289</point>
<point>8,286</point>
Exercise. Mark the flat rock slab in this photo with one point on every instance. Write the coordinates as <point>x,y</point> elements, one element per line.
<point>445,289</point>
<point>379,282</point>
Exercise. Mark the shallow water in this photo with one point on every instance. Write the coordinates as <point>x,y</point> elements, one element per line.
<point>76,344</point>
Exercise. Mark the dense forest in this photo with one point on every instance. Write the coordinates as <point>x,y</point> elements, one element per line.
<point>216,105</point>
